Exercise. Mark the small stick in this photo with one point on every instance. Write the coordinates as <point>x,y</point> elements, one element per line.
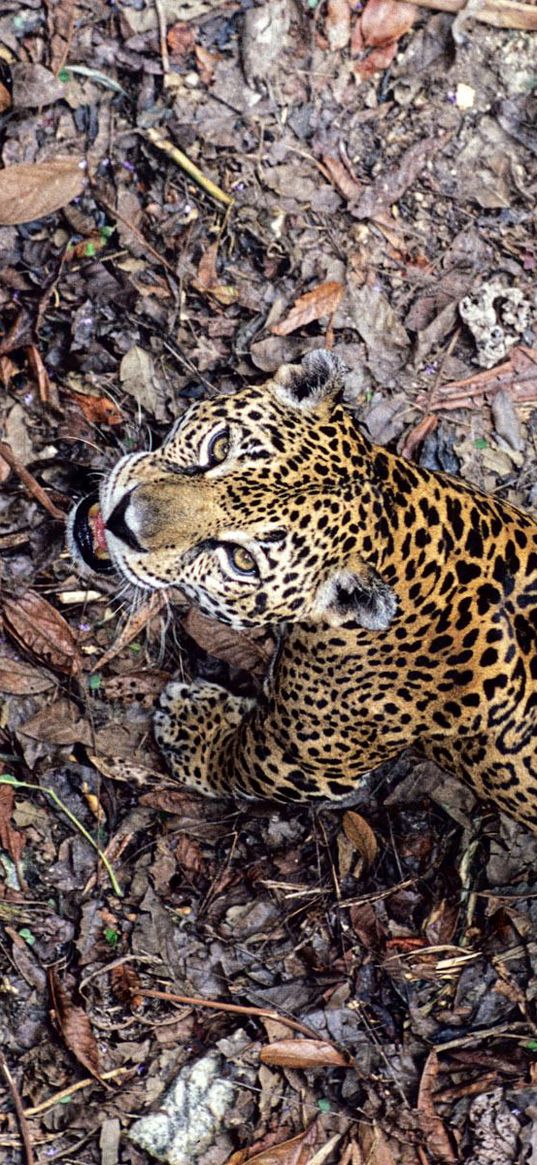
<point>157,138</point>
<point>235,1008</point>
<point>500,13</point>
<point>28,480</point>
<point>17,1104</point>
<point>164,55</point>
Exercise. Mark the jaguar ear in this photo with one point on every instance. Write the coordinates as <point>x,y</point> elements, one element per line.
<point>304,386</point>
<point>358,594</point>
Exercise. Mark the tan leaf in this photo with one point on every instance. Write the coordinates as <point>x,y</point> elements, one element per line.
<point>58,723</point>
<point>21,679</point>
<point>11,839</point>
<point>338,24</point>
<point>39,628</point>
<point>99,410</point>
<point>29,191</point>
<point>249,650</point>
<point>134,625</point>
<point>386,20</point>
<point>361,835</point>
<point>296,1151</point>
<point>126,984</point>
<point>302,1054</point>
<point>373,1144</point>
<point>437,1138</point>
<point>321,301</point>
<point>74,1026</point>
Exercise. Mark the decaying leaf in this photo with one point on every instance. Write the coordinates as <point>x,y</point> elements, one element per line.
<point>38,627</point>
<point>74,1026</point>
<point>361,835</point>
<point>21,679</point>
<point>249,650</point>
<point>99,410</point>
<point>303,1054</point>
<point>11,839</point>
<point>58,723</point>
<point>323,300</point>
<point>31,191</point>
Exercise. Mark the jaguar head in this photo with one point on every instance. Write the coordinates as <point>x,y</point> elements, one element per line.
<point>249,507</point>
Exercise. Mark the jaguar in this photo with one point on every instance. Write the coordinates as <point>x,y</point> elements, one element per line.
<point>405,601</point>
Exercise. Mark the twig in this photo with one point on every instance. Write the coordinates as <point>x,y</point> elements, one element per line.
<point>235,1008</point>
<point>500,13</point>
<point>21,1116</point>
<point>58,1097</point>
<point>157,138</point>
<point>164,55</point>
<point>114,213</point>
<point>7,779</point>
<point>28,480</point>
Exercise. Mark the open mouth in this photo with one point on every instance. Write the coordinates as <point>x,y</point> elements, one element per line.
<point>88,534</point>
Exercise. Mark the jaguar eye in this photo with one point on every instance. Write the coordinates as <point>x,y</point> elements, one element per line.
<point>217,449</point>
<point>241,560</point>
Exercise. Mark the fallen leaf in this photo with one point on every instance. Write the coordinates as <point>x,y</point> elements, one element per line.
<point>11,839</point>
<point>21,679</point>
<point>338,24</point>
<point>375,1148</point>
<point>323,300</point>
<point>437,1138</point>
<point>180,39</point>
<point>58,723</point>
<point>34,86</point>
<point>303,1054</point>
<point>31,191</point>
<point>357,830</point>
<point>134,625</point>
<point>383,21</point>
<point>296,1151</point>
<point>99,410</point>
<point>126,984</point>
<point>74,1026</point>
<point>247,650</point>
<point>37,627</point>
<point>137,376</point>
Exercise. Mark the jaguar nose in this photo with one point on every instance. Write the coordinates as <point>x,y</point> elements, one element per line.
<point>118,525</point>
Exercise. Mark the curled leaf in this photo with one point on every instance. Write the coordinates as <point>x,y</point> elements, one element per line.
<point>32,190</point>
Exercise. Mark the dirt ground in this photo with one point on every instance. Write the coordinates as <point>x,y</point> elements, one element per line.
<point>207,189</point>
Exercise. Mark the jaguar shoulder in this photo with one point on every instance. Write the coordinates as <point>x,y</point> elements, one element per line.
<point>408,599</point>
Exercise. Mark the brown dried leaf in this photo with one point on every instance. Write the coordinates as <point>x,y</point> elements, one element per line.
<point>126,985</point>
<point>296,1151</point>
<point>99,410</point>
<point>11,839</point>
<point>374,1146</point>
<point>134,625</point>
<point>348,186</point>
<point>38,627</point>
<point>30,191</point>
<point>361,835</point>
<point>35,86</point>
<point>247,650</point>
<point>338,24</point>
<point>384,21</point>
<point>436,1136</point>
<point>21,679</point>
<point>74,1026</point>
<point>323,300</point>
<point>58,723</point>
<point>302,1054</point>
<point>189,855</point>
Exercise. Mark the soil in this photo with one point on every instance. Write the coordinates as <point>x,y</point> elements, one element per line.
<point>193,193</point>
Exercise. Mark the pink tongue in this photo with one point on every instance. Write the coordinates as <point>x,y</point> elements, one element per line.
<point>97,529</point>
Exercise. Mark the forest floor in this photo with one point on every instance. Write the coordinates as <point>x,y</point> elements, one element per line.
<point>366,181</point>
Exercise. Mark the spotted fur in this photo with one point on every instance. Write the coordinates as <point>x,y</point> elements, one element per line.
<point>407,600</point>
